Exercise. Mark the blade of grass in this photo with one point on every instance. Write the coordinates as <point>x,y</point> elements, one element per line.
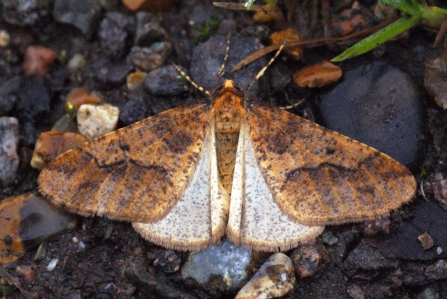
<point>379,38</point>
<point>439,9</point>
<point>407,6</point>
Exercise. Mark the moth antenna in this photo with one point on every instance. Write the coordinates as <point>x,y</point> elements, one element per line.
<point>261,72</point>
<point>293,105</point>
<point>197,86</point>
<point>227,50</point>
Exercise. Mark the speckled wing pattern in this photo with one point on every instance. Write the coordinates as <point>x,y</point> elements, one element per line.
<point>255,220</point>
<point>124,175</point>
<point>199,217</point>
<point>320,177</point>
<point>291,177</point>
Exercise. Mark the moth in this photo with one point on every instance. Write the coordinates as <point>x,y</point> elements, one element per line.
<point>229,164</point>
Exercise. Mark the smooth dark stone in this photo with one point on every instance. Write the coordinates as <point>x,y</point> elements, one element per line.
<point>24,12</point>
<point>381,106</point>
<point>113,35</point>
<point>34,99</point>
<point>165,81</point>
<point>81,14</point>
<point>366,262</point>
<point>133,111</point>
<point>8,95</point>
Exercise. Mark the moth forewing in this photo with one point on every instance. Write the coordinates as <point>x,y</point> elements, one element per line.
<point>255,219</point>
<point>199,217</point>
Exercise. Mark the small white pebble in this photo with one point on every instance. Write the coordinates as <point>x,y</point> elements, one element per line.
<point>4,38</point>
<point>97,120</point>
<point>283,276</point>
<point>81,246</point>
<point>438,250</point>
<point>75,240</point>
<point>438,176</point>
<point>52,265</point>
<point>77,62</point>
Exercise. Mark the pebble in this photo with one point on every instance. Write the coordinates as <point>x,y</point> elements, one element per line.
<point>414,275</point>
<point>37,60</point>
<point>41,252</point>
<point>26,271</point>
<point>52,144</point>
<point>381,106</point>
<point>113,35</point>
<point>317,75</point>
<point>164,81</point>
<point>52,265</point>
<point>308,259</point>
<point>329,238</point>
<point>97,120</point>
<point>428,293</point>
<point>426,240</point>
<point>168,260</point>
<point>24,12</point>
<point>440,190</point>
<point>150,58</point>
<point>275,278</point>
<point>219,267</point>
<point>34,99</point>
<point>355,292</point>
<point>135,80</point>
<point>439,250</point>
<point>81,14</point>
<point>373,227</point>
<point>149,29</point>
<point>4,38</point>
<point>9,140</point>
<point>77,62</point>
<point>134,110</point>
<point>434,79</point>
<point>109,74</point>
<point>27,220</point>
<point>80,96</point>
<point>8,95</point>
<point>208,57</point>
<point>81,246</point>
<point>149,5</point>
<point>109,4</point>
<point>140,275</point>
<point>437,271</point>
<point>366,262</point>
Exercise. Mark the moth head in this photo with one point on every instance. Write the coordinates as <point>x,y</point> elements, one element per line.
<point>228,101</point>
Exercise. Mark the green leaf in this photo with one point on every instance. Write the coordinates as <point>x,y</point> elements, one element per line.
<point>379,38</point>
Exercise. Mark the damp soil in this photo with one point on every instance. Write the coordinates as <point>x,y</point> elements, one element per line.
<point>116,262</point>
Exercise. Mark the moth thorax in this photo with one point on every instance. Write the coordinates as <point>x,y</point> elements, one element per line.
<point>228,114</point>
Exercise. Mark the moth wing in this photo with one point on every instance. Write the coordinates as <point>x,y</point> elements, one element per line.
<point>255,220</point>
<point>137,173</point>
<point>199,217</point>
<point>320,177</point>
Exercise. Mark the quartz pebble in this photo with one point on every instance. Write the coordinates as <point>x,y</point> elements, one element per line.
<point>223,266</point>
<point>97,120</point>
<point>52,265</point>
<point>274,279</point>
<point>9,139</point>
